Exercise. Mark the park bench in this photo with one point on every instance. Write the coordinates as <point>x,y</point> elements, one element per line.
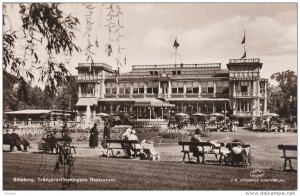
<point>186,149</point>
<point>112,144</point>
<point>287,157</point>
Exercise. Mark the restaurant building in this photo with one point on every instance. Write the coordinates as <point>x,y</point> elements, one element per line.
<point>157,92</point>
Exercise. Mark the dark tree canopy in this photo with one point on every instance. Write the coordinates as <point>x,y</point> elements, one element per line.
<point>283,97</point>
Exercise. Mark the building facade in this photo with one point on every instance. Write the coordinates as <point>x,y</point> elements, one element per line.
<point>161,91</point>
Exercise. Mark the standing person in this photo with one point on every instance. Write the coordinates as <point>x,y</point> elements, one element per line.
<point>106,135</point>
<point>94,136</point>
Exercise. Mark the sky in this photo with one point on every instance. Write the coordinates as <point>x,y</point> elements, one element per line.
<point>206,32</point>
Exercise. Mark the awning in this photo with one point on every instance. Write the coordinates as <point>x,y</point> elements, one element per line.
<point>145,102</point>
<point>86,101</point>
<point>29,112</point>
<point>197,99</point>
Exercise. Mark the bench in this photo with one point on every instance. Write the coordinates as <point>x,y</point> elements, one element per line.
<point>186,149</point>
<point>286,157</point>
<point>120,144</point>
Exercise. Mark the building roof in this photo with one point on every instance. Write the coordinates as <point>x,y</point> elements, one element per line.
<point>29,112</point>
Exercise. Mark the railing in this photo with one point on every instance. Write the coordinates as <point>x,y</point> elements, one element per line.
<point>110,95</point>
<point>243,113</point>
<point>87,95</point>
<point>208,95</point>
<point>255,60</point>
<point>243,94</point>
<point>173,66</point>
<point>138,95</point>
<point>192,95</point>
<point>124,95</point>
<point>177,95</point>
<point>151,95</point>
<point>244,74</point>
<point>89,77</point>
<point>95,64</point>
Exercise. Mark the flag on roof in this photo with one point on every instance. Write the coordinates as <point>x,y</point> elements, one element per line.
<point>176,44</point>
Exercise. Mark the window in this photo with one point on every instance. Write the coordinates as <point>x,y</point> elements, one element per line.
<point>244,86</point>
<point>189,87</point>
<point>111,88</point>
<point>121,88</point>
<point>174,72</point>
<point>178,72</point>
<point>210,87</point>
<point>151,72</point>
<point>174,90</point>
<point>244,105</point>
<point>127,88</point>
<point>135,89</point>
<point>204,87</point>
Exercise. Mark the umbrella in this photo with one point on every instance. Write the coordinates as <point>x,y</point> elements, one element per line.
<point>102,114</point>
<point>199,114</point>
<point>271,115</point>
<point>216,114</point>
<point>181,114</point>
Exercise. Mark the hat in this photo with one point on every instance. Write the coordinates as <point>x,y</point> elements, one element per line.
<point>197,131</point>
<point>133,131</point>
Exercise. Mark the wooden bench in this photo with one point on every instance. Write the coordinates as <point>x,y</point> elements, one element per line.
<point>186,149</point>
<point>120,144</point>
<point>286,157</point>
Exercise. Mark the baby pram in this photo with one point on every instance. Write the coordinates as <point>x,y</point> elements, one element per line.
<point>150,152</point>
<point>238,154</point>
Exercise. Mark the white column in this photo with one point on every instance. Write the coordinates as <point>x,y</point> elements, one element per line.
<point>258,88</point>
<point>131,90</point>
<point>184,88</point>
<point>215,88</point>
<point>265,106</point>
<point>199,86</point>
<point>79,91</point>
<point>159,88</point>
<point>118,90</point>
<point>102,89</point>
<point>265,89</point>
<point>145,90</point>
<point>169,88</point>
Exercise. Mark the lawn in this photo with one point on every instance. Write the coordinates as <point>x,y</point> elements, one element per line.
<point>168,174</point>
<point>128,174</point>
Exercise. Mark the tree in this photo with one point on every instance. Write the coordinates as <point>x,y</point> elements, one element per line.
<point>283,97</point>
<point>43,25</point>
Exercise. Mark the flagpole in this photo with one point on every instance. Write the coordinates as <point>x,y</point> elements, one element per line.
<point>175,53</point>
<point>245,41</point>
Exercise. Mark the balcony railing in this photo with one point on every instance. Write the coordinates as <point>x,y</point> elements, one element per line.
<point>243,113</point>
<point>110,95</point>
<point>192,95</point>
<point>89,77</point>
<point>243,94</point>
<point>173,66</point>
<point>87,95</point>
<point>244,74</point>
<point>95,65</point>
<point>208,95</point>
<point>177,95</point>
<point>124,95</point>
<point>255,60</point>
<point>138,95</point>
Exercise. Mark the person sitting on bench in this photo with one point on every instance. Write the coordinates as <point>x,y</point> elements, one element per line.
<point>198,150</point>
<point>126,147</point>
<point>137,147</point>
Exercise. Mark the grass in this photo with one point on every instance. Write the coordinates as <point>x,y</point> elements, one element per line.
<point>137,175</point>
<point>168,174</point>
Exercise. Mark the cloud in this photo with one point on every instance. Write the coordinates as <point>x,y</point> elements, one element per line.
<point>146,8</point>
